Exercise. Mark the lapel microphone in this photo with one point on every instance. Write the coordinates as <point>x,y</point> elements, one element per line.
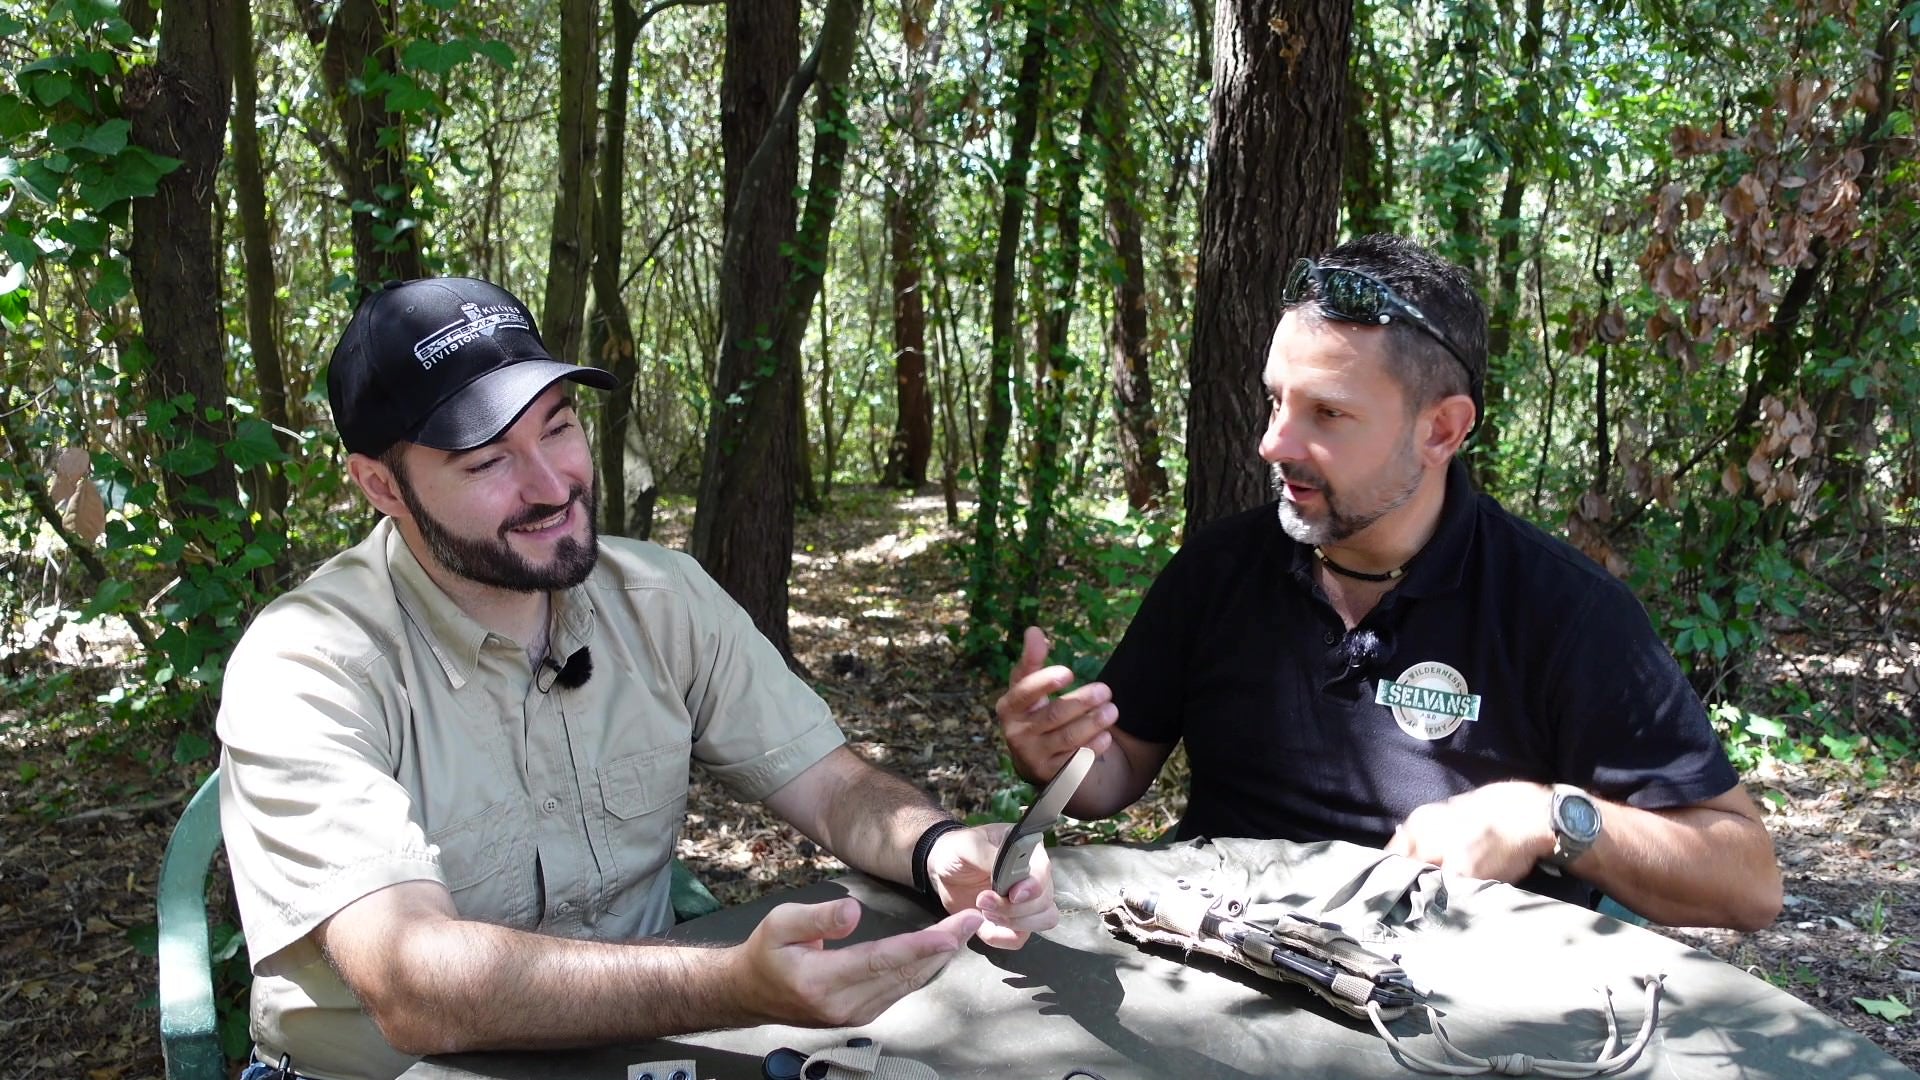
<point>569,676</point>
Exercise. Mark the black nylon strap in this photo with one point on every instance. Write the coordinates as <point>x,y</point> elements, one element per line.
<point>922,850</point>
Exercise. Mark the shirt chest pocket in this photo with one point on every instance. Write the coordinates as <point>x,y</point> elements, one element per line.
<point>484,862</point>
<point>644,796</point>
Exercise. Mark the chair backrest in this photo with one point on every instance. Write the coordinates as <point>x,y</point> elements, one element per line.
<point>189,1027</point>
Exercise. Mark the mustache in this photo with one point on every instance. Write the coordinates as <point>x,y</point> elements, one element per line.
<point>540,513</point>
<point>1297,473</point>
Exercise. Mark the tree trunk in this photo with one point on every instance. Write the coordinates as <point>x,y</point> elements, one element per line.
<point>1057,363</point>
<point>912,445</point>
<point>386,237</point>
<point>256,241</point>
<point>610,331</point>
<point>1136,429</point>
<point>985,610</point>
<point>178,107</point>
<point>1507,258</point>
<point>1273,189</point>
<point>569,256</point>
<point>839,36</point>
<point>806,493</point>
<point>1368,173</point>
<point>743,521</point>
<point>743,524</point>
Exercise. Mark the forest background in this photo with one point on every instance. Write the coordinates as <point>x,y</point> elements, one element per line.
<point>1020,256</point>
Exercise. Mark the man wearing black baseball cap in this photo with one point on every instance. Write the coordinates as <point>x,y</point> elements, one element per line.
<point>455,759</point>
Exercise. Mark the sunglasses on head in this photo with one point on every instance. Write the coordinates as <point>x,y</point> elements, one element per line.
<point>1351,296</point>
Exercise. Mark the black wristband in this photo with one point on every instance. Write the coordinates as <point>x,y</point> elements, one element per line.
<point>923,850</point>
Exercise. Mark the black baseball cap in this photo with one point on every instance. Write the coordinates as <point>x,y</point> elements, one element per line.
<point>444,362</point>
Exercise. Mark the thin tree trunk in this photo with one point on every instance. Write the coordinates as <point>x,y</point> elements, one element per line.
<point>1058,366</point>
<point>912,444</point>
<point>1273,183</point>
<point>1136,428</point>
<point>1368,172</point>
<point>610,331</point>
<point>256,241</point>
<point>569,254</point>
<point>386,237</point>
<point>839,36</point>
<point>985,610</point>
<point>830,446</point>
<point>1508,298</point>
<point>807,493</point>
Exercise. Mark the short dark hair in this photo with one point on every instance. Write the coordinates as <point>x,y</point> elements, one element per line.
<point>1445,295</point>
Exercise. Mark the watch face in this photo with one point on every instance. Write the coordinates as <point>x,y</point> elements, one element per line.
<point>1579,817</point>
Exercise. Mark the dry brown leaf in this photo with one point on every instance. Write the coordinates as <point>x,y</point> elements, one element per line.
<point>1639,478</point>
<point>70,466</point>
<point>1663,491</point>
<point>1731,481</point>
<point>1595,507</point>
<point>1611,327</point>
<point>85,514</point>
<point>1742,202</point>
<point>1758,467</point>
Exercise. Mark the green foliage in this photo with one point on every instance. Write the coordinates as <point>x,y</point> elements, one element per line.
<point>1106,558</point>
<point>1890,1008</point>
<point>1750,738</point>
<point>1795,979</point>
<point>1008,801</point>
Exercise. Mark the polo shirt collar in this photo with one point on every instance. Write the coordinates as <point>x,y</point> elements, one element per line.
<point>455,639</point>
<point>1439,566</point>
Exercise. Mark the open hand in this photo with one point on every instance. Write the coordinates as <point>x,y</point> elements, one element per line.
<point>1042,730</point>
<point>786,974</point>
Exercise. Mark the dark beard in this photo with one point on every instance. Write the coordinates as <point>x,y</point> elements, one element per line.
<point>495,563</point>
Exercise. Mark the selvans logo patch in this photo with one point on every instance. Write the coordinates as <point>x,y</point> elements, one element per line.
<point>1429,700</point>
<point>482,321</point>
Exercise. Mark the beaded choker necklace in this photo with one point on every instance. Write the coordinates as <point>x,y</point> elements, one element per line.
<point>1361,575</point>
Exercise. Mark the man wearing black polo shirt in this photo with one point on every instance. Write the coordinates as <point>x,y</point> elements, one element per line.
<point>1387,657</point>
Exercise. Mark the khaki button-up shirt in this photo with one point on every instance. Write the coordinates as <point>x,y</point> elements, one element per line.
<point>374,734</point>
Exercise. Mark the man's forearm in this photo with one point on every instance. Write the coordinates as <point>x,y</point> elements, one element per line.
<point>866,816</point>
<point>1119,777</point>
<point>453,984</point>
<point>1694,866</point>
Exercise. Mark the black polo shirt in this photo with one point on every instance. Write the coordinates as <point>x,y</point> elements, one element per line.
<point>1504,654</point>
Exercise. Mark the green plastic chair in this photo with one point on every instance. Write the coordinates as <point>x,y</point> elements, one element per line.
<point>189,1034</point>
<point>189,1038</point>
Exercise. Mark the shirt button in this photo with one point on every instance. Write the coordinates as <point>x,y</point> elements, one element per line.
<point>1330,637</point>
<point>565,908</point>
<point>550,805</point>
